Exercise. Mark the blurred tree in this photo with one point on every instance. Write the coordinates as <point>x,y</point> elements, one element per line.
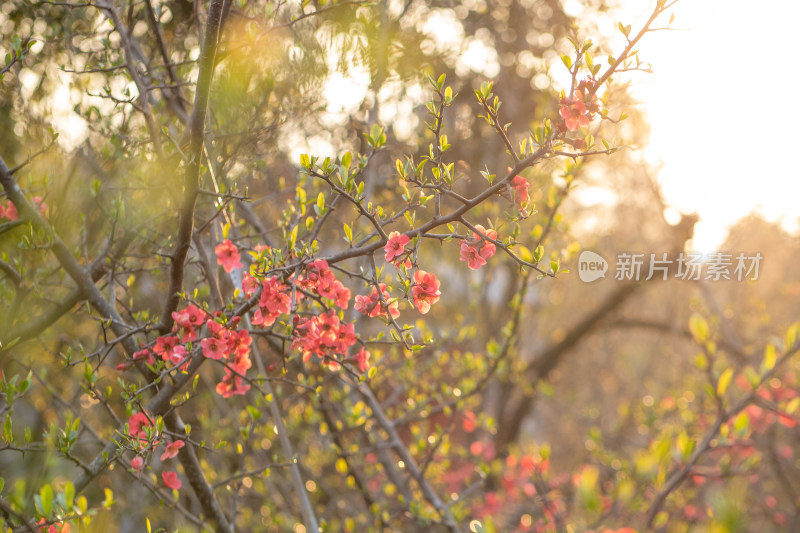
<point>223,178</point>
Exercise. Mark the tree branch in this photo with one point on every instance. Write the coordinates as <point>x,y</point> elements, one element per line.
<point>191,183</point>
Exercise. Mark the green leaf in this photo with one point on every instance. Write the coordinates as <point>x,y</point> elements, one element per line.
<point>684,444</point>
<point>770,357</point>
<point>69,494</point>
<point>724,381</point>
<point>108,501</point>
<point>699,328</point>
<point>791,336</point>
<point>525,254</point>
<point>741,423</point>
<point>7,431</point>
<point>791,407</point>
<point>2,484</point>
<point>46,494</point>
<point>567,61</point>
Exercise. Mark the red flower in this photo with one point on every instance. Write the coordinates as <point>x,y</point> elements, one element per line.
<point>165,345</point>
<point>519,190</point>
<point>172,450</point>
<point>42,205</point>
<point>320,279</point>
<point>231,384</point>
<point>53,528</point>
<point>425,291</point>
<point>136,424</point>
<point>177,355</point>
<point>137,463</point>
<point>476,251</point>
<point>11,211</point>
<point>362,360</point>
<point>574,114</point>
<point>520,186</point>
<point>249,284</point>
<point>323,336</point>
<point>187,319</point>
<point>371,306</point>
<point>228,255</point>
<point>214,348</point>
<point>395,247</point>
<point>171,480</point>
<point>144,354</point>
<point>274,302</point>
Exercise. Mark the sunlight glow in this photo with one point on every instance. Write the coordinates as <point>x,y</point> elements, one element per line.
<point>717,91</point>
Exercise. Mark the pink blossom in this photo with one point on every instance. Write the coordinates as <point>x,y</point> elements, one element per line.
<point>371,306</point>
<point>249,285</point>
<point>475,251</point>
<point>228,255</point>
<point>362,359</point>
<point>177,355</point>
<point>274,302</point>
<point>425,291</point>
<point>136,424</point>
<point>137,463</point>
<point>230,385</point>
<point>574,114</point>
<point>172,449</point>
<point>42,205</point>
<point>395,247</point>
<point>214,348</point>
<point>56,527</point>
<point>11,211</point>
<point>145,354</point>
<point>165,345</point>
<point>171,479</point>
<point>520,186</point>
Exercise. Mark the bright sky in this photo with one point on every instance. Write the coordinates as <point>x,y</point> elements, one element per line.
<point>722,104</point>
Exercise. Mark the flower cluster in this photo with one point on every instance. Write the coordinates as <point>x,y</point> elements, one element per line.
<point>186,322</point>
<point>274,301</point>
<point>323,336</point>
<point>320,279</point>
<point>10,212</point>
<point>580,109</point>
<point>136,424</point>
<point>475,251</point>
<point>372,307</point>
<point>225,343</point>
<point>171,350</point>
<point>222,343</point>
